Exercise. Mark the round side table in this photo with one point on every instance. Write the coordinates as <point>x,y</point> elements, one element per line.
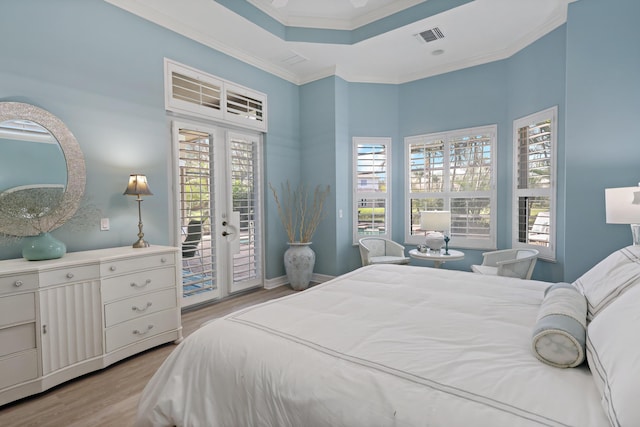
<point>438,257</point>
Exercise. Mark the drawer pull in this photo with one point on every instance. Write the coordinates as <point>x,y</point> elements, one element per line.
<point>69,275</point>
<point>143,309</point>
<point>135,285</point>
<point>163,260</point>
<point>137,332</point>
<point>44,329</point>
<point>112,268</point>
<point>18,283</point>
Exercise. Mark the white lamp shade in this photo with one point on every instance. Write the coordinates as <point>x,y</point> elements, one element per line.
<point>623,205</point>
<point>137,186</point>
<point>435,220</point>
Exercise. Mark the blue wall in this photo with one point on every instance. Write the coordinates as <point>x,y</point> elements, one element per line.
<point>536,81</point>
<point>373,111</point>
<point>471,97</point>
<point>602,113</point>
<point>100,69</point>
<point>318,142</point>
<point>495,93</point>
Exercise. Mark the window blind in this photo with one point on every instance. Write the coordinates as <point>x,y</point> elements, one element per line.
<point>453,171</point>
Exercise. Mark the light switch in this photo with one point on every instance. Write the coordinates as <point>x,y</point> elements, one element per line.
<point>104,224</point>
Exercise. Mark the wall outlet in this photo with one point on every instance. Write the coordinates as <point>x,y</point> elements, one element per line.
<point>104,224</point>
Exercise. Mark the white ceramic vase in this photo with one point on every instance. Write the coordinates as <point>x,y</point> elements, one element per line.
<point>434,240</point>
<point>299,260</point>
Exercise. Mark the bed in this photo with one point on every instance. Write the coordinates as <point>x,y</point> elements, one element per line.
<point>389,345</point>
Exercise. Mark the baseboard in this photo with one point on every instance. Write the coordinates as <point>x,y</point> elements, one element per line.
<point>282,280</point>
<point>321,278</point>
<point>275,282</point>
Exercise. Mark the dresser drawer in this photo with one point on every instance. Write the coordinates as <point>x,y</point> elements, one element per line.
<point>130,265</point>
<point>139,329</point>
<point>16,309</point>
<point>17,338</point>
<point>131,308</point>
<point>18,282</point>
<point>73,274</point>
<point>137,283</point>
<point>18,368</point>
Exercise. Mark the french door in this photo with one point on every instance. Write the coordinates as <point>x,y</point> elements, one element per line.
<point>218,210</point>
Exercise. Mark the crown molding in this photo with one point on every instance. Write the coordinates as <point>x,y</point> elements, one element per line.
<point>334,23</point>
<point>171,23</point>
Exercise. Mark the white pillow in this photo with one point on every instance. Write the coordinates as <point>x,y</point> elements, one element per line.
<point>609,279</point>
<point>613,354</point>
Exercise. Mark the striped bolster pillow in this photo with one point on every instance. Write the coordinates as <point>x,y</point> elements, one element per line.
<point>559,334</point>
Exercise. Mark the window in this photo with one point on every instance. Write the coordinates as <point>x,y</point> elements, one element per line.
<point>372,190</point>
<point>245,106</point>
<point>453,171</point>
<point>195,93</point>
<point>534,182</point>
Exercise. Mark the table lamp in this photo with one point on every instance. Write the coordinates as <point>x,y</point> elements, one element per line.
<point>435,223</point>
<point>138,187</point>
<point>623,207</point>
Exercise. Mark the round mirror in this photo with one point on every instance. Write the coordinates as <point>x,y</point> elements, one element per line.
<point>42,170</point>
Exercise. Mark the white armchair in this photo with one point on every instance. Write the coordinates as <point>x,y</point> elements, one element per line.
<point>378,250</point>
<point>508,262</point>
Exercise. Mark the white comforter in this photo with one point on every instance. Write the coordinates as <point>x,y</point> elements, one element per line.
<point>384,345</point>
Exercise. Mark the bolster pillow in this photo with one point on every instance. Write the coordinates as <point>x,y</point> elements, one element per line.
<point>559,334</point>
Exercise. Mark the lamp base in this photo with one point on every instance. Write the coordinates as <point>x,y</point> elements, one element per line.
<point>434,241</point>
<point>635,232</point>
<point>141,243</point>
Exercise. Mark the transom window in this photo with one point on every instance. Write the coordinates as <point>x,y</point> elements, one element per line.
<point>453,171</point>
<point>196,93</point>
<point>534,182</point>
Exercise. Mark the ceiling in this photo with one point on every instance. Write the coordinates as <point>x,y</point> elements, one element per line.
<point>335,14</point>
<point>474,33</point>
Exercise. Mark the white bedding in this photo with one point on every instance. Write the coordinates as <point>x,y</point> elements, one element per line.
<point>384,345</point>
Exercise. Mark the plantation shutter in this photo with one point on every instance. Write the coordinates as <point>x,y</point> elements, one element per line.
<point>372,187</point>
<point>534,182</point>
<point>245,178</point>
<point>246,107</point>
<point>454,171</point>
<point>197,211</point>
<point>195,93</point>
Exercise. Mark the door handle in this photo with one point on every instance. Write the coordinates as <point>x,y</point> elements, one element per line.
<point>225,234</point>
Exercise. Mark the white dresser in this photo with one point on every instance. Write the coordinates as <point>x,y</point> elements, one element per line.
<point>63,318</point>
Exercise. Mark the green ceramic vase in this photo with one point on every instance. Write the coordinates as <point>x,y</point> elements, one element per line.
<point>43,246</point>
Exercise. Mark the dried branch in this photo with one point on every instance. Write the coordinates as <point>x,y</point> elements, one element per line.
<point>300,220</point>
<point>316,215</point>
<point>285,210</point>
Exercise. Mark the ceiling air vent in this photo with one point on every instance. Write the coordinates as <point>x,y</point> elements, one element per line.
<point>430,35</point>
<point>294,59</point>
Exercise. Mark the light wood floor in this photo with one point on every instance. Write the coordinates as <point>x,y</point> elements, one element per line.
<point>109,397</point>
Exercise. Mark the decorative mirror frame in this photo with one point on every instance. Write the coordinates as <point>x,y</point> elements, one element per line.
<point>76,171</point>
